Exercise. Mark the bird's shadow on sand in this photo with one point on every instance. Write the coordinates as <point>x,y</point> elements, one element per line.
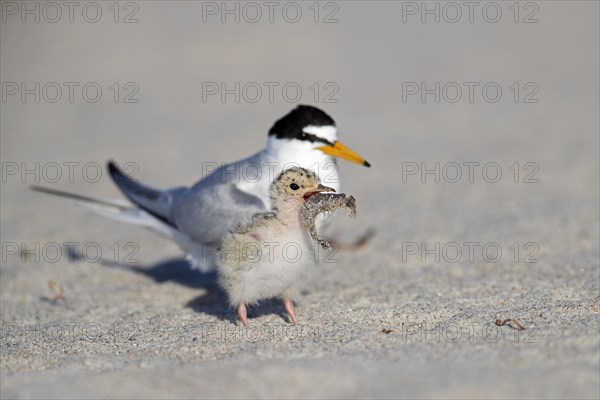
<point>213,301</point>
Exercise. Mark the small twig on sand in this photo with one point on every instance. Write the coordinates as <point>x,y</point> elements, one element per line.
<point>59,293</point>
<point>517,325</point>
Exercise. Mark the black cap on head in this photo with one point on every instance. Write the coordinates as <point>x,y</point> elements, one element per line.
<point>291,125</point>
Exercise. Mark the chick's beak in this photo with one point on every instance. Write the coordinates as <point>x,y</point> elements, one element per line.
<point>319,189</point>
<point>340,150</point>
<point>322,188</point>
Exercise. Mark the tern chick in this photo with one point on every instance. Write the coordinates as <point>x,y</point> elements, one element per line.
<point>271,255</point>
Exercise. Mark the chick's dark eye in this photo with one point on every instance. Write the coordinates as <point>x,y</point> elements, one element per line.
<point>294,186</point>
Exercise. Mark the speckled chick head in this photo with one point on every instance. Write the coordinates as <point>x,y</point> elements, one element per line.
<point>296,184</point>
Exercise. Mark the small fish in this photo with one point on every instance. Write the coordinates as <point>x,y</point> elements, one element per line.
<point>321,203</point>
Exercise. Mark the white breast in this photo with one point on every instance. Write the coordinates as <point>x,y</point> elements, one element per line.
<point>281,154</point>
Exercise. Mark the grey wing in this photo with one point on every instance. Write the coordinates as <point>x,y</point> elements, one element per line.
<point>156,202</point>
<point>204,212</point>
<point>207,212</point>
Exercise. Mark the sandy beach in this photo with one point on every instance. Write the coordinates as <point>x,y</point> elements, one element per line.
<point>481,278</point>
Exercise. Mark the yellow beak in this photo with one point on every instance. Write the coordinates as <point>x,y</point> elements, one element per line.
<point>341,151</point>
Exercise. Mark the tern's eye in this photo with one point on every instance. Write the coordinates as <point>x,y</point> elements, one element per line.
<point>294,186</point>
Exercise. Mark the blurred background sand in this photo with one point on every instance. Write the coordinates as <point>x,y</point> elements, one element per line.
<point>380,323</point>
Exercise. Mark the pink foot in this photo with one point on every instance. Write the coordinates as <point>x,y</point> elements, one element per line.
<point>242,314</point>
<point>289,307</point>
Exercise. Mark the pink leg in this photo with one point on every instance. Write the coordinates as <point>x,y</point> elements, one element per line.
<point>242,314</point>
<point>289,307</point>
